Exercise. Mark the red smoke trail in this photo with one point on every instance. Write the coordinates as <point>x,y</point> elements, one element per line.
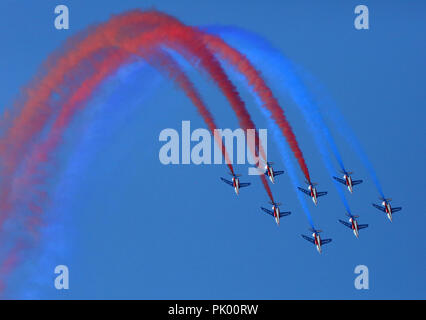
<point>168,35</point>
<point>173,26</point>
<point>32,117</point>
<point>45,149</point>
<point>177,36</point>
<point>10,262</point>
<point>254,78</point>
<point>41,152</point>
<point>167,64</point>
<point>35,113</point>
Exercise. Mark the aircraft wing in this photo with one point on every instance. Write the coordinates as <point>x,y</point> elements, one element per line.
<point>227,181</point>
<point>396,209</point>
<point>277,173</point>
<point>379,207</point>
<point>308,238</point>
<point>304,191</point>
<point>346,224</point>
<point>283,214</point>
<point>340,180</point>
<point>323,193</point>
<point>355,182</point>
<point>267,211</point>
<point>325,241</point>
<point>245,184</point>
<point>362,226</point>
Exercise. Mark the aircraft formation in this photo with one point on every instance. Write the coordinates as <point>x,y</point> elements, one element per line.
<point>312,192</point>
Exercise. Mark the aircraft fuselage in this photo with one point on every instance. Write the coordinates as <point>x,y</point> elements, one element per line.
<point>276,210</point>
<point>270,173</point>
<point>388,209</point>
<point>236,184</point>
<point>348,180</point>
<point>317,240</point>
<point>354,224</point>
<point>313,191</point>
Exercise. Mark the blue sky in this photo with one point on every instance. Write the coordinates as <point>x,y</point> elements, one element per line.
<point>130,227</point>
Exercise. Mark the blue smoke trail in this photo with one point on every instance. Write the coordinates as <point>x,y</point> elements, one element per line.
<point>288,163</point>
<point>281,69</point>
<point>116,100</point>
<point>281,142</point>
<point>333,113</point>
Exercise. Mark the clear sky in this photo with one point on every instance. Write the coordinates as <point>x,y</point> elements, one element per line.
<point>133,228</point>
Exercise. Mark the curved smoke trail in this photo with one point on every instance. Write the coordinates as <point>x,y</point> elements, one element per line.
<point>33,116</point>
<point>282,145</point>
<point>255,79</point>
<point>274,64</point>
<point>35,112</point>
<point>165,62</point>
<point>287,73</point>
<point>258,85</point>
<point>333,113</point>
<point>119,97</point>
<point>171,33</point>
